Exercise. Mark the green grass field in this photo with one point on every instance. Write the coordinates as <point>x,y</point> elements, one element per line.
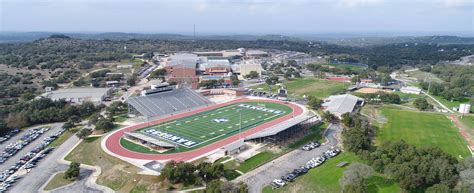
<point>255,161</point>
<point>450,104</point>
<point>422,129</point>
<point>210,126</point>
<point>325,179</point>
<point>468,121</point>
<point>424,76</point>
<point>349,67</point>
<point>320,88</point>
<point>57,181</point>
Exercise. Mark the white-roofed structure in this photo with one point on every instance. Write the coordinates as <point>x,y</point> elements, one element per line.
<point>182,59</point>
<point>149,140</point>
<point>410,90</point>
<point>79,95</point>
<point>274,130</point>
<point>340,104</point>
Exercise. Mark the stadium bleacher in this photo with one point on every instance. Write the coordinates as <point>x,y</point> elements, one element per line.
<point>164,103</point>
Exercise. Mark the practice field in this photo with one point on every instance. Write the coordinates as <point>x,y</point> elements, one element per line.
<point>422,129</point>
<point>209,126</point>
<point>317,87</point>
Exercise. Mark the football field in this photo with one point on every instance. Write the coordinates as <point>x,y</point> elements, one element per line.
<point>209,126</point>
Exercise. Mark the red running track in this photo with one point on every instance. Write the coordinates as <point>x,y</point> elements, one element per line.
<point>113,140</point>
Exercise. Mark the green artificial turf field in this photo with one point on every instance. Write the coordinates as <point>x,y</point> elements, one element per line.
<point>422,129</point>
<point>204,128</point>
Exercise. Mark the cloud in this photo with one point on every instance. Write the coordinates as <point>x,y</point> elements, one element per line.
<point>358,3</point>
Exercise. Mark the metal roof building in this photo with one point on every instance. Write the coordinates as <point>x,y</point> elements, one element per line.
<point>79,95</point>
<point>340,104</point>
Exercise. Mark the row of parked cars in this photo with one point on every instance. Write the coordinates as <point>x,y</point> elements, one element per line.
<point>310,146</point>
<point>13,148</point>
<point>9,135</point>
<point>28,161</point>
<point>314,162</point>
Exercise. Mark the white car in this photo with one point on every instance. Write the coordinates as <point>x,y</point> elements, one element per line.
<point>278,183</point>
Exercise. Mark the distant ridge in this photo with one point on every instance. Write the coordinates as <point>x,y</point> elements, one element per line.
<point>12,37</point>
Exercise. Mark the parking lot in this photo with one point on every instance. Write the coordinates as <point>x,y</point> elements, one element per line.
<point>264,175</point>
<point>30,143</point>
<point>13,159</point>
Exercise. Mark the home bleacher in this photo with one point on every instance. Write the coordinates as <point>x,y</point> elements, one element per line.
<point>166,102</point>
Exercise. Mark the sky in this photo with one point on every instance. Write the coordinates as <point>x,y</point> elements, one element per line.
<point>286,17</point>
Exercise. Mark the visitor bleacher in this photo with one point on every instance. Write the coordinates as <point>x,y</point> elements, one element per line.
<point>169,102</point>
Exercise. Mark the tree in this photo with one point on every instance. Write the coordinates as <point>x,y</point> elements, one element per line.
<point>252,75</point>
<point>314,102</point>
<point>132,80</point>
<point>27,96</point>
<point>116,108</point>
<point>439,188</point>
<point>94,118</point>
<point>353,179</point>
<point>158,73</point>
<point>329,117</point>
<point>235,80</point>
<point>83,133</point>
<point>74,119</point>
<point>347,119</point>
<point>104,125</point>
<point>73,171</point>
<point>466,172</point>
<point>68,125</point>
<point>16,120</point>
<point>422,104</point>
<point>271,80</point>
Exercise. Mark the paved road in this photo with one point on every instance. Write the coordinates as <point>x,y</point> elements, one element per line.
<point>264,175</point>
<point>11,161</point>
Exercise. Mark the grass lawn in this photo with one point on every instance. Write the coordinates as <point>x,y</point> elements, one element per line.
<point>422,76</point>
<point>422,129</point>
<point>450,104</point>
<point>468,121</point>
<point>116,174</point>
<point>325,178</point>
<point>350,67</point>
<point>256,161</point>
<point>320,88</point>
<point>57,181</point>
<point>315,135</point>
<point>407,96</point>
<point>120,118</point>
<point>61,139</point>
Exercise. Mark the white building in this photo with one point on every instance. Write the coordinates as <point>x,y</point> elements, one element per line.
<point>464,108</point>
<point>340,104</point>
<point>250,65</point>
<point>410,90</point>
<point>79,95</point>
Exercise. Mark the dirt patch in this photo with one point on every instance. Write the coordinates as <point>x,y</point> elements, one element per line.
<point>371,90</point>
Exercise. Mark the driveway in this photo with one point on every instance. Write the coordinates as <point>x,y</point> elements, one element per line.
<point>265,174</point>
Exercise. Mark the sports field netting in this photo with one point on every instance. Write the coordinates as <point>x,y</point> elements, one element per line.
<point>210,126</point>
